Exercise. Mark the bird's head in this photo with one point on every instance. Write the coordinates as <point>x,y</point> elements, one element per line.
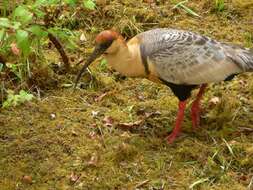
<point>106,43</point>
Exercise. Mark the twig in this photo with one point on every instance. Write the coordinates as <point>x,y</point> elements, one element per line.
<point>49,22</point>
<point>250,186</point>
<point>142,183</point>
<point>82,60</point>
<point>60,49</point>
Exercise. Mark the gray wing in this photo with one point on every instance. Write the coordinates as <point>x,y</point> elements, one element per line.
<point>183,57</point>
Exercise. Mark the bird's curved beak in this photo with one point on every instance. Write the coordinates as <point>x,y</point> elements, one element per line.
<point>99,50</point>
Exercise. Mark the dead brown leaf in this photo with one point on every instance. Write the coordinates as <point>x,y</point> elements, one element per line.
<point>27,179</point>
<point>14,48</point>
<point>131,125</point>
<point>101,2</point>
<point>108,121</point>
<point>138,122</point>
<point>92,135</point>
<point>148,1</point>
<point>99,98</point>
<point>83,38</point>
<point>213,102</point>
<point>150,114</point>
<point>73,178</point>
<point>141,97</point>
<point>93,160</point>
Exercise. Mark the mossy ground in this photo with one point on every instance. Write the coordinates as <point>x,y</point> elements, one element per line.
<point>78,140</point>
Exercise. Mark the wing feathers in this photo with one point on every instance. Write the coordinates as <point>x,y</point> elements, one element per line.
<point>183,57</point>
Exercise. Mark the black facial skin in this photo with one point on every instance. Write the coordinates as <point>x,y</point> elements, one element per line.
<point>99,50</point>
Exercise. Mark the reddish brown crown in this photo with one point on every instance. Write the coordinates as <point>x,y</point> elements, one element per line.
<point>106,36</point>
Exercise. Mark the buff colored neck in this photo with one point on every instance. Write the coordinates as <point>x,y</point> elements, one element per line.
<point>127,60</point>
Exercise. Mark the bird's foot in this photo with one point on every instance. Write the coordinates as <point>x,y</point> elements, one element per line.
<point>171,138</point>
<point>195,114</point>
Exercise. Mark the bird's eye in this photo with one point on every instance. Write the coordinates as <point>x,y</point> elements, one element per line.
<point>105,53</point>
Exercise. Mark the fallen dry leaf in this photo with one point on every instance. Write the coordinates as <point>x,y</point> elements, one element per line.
<point>52,116</point>
<point>213,102</point>
<point>139,122</point>
<point>74,133</point>
<point>125,134</point>
<point>150,114</point>
<point>92,135</point>
<point>94,113</point>
<point>108,121</point>
<point>14,48</point>
<point>130,125</point>
<point>147,113</point>
<point>148,1</point>
<point>141,97</point>
<point>243,83</point>
<point>93,125</point>
<point>142,183</point>
<point>99,98</point>
<point>101,2</point>
<point>83,38</point>
<point>27,179</point>
<point>73,178</point>
<point>93,160</point>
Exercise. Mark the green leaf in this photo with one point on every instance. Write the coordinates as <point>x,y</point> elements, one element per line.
<point>5,22</point>
<point>39,13</point>
<point>38,31</point>
<point>22,14</point>
<point>23,41</point>
<point>71,2</point>
<point>89,4</point>
<point>39,3</point>
<point>103,63</point>
<point>220,5</point>
<point>25,96</point>
<point>185,8</point>
<point>16,99</point>
<point>2,32</point>
<point>189,11</point>
<point>229,147</point>
<point>1,67</point>
<point>16,25</point>
<point>6,104</point>
<point>14,69</point>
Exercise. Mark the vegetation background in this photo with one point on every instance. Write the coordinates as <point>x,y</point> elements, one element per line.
<point>110,133</point>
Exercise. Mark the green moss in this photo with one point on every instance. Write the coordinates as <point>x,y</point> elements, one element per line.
<point>50,149</point>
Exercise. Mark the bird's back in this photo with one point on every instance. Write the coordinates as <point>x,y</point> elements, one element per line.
<point>184,57</point>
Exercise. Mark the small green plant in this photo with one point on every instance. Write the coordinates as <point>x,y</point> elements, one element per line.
<point>16,99</point>
<point>26,28</point>
<point>15,69</point>
<point>185,8</point>
<point>89,4</point>
<point>219,5</point>
<point>103,65</point>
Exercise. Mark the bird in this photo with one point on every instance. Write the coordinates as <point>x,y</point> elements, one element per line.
<point>180,59</point>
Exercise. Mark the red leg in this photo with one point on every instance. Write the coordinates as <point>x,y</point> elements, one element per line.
<point>195,110</point>
<point>177,127</point>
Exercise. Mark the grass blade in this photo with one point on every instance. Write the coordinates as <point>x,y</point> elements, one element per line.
<point>198,182</point>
